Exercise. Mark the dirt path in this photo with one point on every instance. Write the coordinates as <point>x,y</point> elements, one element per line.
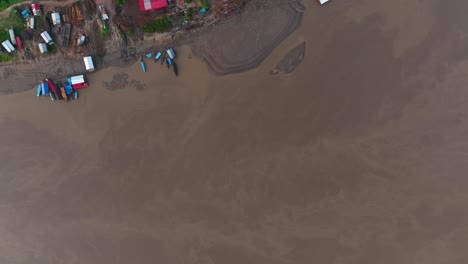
<point>46,4</point>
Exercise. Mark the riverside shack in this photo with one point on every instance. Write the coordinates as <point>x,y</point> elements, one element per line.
<point>12,36</point>
<point>7,45</point>
<point>42,47</point>
<point>45,35</point>
<point>88,62</point>
<point>78,81</point>
<point>36,9</point>
<point>55,18</point>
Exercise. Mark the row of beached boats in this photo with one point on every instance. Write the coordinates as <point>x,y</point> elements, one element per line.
<point>168,56</point>
<point>61,91</point>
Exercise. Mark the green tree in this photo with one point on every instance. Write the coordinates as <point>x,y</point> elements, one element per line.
<point>204,4</point>
<point>188,14</point>
<point>158,25</point>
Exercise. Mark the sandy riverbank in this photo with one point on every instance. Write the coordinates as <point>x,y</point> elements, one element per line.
<point>226,48</point>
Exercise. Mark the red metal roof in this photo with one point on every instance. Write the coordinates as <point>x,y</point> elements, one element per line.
<point>18,42</point>
<point>152,4</point>
<point>35,6</point>
<point>80,85</point>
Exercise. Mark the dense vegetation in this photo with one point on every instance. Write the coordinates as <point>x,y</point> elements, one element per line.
<point>204,4</point>
<point>4,4</point>
<point>105,31</point>
<point>188,14</point>
<point>120,2</point>
<point>12,21</point>
<point>158,25</point>
<point>5,56</point>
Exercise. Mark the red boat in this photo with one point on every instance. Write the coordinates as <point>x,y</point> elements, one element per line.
<point>51,85</point>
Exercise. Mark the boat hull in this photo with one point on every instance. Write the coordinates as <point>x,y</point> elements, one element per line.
<point>175,68</point>
<point>39,90</point>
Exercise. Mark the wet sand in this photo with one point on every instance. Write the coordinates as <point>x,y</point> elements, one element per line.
<point>357,154</point>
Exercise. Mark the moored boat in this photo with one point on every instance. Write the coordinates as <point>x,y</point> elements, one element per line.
<point>75,94</point>
<point>52,96</point>
<point>51,85</point>
<point>68,87</point>
<point>45,90</point>
<point>158,55</point>
<point>176,70</point>
<point>143,66</point>
<point>163,58</point>
<point>64,94</point>
<point>171,53</point>
<point>168,62</point>
<point>39,90</point>
<point>149,55</point>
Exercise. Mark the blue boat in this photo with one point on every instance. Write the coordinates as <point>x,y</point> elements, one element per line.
<point>39,90</point>
<point>143,66</point>
<point>45,89</point>
<point>168,62</point>
<point>67,86</point>
<point>156,58</point>
<point>149,55</point>
<point>75,94</point>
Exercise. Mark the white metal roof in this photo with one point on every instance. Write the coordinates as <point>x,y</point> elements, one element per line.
<point>46,37</point>
<point>55,18</point>
<point>88,61</point>
<point>77,79</point>
<point>323,1</point>
<point>42,47</point>
<point>12,36</point>
<point>171,53</point>
<point>31,22</point>
<point>147,4</point>
<point>7,45</point>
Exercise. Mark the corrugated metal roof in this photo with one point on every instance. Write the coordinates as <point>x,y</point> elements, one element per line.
<point>88,61</point>
<point>77,79</point>
<point>42,47</point>
<point>12,36</point>
<point>45,35</point>
<point>7,45</point>
<point>152,4</point>
<point>55,18</point>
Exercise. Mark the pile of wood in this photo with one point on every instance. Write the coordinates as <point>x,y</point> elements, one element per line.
<point>73,14</point>
<point>228,7</point>
<point>66,35</point>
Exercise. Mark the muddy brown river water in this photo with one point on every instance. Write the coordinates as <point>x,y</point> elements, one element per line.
<point>347,145</point>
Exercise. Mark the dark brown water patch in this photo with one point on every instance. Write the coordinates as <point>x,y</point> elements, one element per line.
<point>121,81</point>
<point>248,39</point>
<point>291,60</point>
